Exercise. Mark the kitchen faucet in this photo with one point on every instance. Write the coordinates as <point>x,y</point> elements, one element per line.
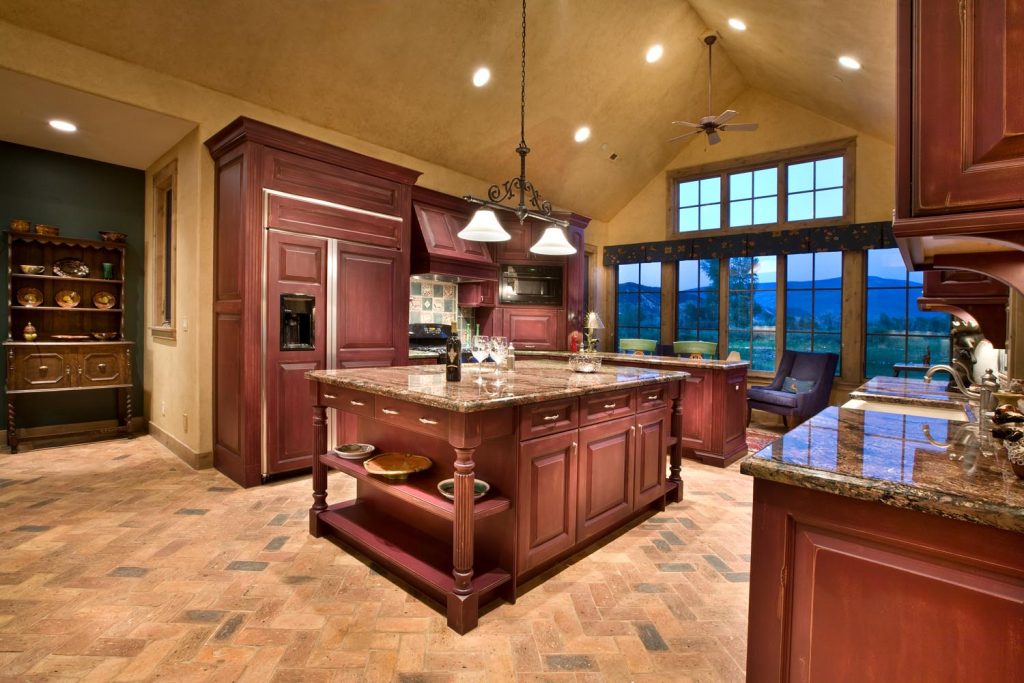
<point>956,378</point>
<point>983,395</point>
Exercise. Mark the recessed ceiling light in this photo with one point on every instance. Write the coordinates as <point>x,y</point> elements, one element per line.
<point>63,126</point>
<point>737,24</point>
<point>849,62</point>
<point>481,76</point>
<point>582,133</point>
<point>654,53</point>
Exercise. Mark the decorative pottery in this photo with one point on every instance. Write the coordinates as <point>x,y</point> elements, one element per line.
<point>29,333</point>
<point>108,236</point>
<point>1015,454</point>
<point>447,488</point>
<point>20,225</point>
<point>70,267</point>
<point>49,230</point>
<point>397,466</point>
<point>32,270</point>
<point>68,298</point>
<point>29,296</point>
<point>108,271</point>
<point>104,336</point>
<point>69,337</point>
<point>354,451</point>
<point>584,362</point>
<point>104,300</point>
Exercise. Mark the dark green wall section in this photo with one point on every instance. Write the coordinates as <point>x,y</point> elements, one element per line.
<point>81,197</point>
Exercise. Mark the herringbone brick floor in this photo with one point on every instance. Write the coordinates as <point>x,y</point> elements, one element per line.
<point>119,563</point>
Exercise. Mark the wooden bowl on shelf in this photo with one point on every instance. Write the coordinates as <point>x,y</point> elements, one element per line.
<point>115,237</point>
<point>354,451</point>
<point>20,225</point>
<point>397,466</point>
<point>48,230</point>
<point>104,336</point>
<point>32,270</point>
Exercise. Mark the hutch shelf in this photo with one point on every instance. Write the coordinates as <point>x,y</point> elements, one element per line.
<point>76,348</point>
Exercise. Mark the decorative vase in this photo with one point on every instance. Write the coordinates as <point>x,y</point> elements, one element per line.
<point>584,362</point>
<point>29,333</point>
<point>1015,454</point>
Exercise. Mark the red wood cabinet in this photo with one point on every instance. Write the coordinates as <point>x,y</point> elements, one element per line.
<point>517,248</point>
<point>478,294</point>
<point>652,428</point>
<point>607,461</point>
<point>534,329</point>
<point>437,247</point>
<point>849,590</point>
<point>292,215</point>
<point>714,415</point>
<point>547,490</point>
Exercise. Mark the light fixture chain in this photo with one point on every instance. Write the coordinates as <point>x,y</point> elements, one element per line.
<point>522,85</point>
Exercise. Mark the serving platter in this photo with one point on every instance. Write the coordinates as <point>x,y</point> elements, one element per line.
<point>397,466</point>
<point>30,297</point>
<point>104,300</point>
<point>70,267</point>
<point>67,298</point>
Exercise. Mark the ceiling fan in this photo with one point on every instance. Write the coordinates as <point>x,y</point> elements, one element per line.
<point>710,124</point>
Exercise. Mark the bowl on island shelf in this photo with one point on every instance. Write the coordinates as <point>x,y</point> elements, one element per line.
<point>397,466</point>
<point>354,451</point>
<point>447,488</point>
<point>32,270</point>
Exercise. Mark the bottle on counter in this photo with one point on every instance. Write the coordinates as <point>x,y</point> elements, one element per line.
<point>453,359</point>
<point>510,358</point>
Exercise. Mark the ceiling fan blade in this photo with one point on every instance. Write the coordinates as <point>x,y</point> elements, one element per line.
<point>724,116</point>
<point>684,135</point>
<point>739,126</point>
<point>714,138</point>
<point>686,123</point>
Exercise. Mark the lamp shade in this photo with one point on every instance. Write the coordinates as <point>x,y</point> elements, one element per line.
<point>553,243</point>
<point>484,227</point>
<point>592,321</point>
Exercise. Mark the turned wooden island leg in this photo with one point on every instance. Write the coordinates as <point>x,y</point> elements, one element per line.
<point>463,602</point>
<point>675,455</point>
<point>319,469</point>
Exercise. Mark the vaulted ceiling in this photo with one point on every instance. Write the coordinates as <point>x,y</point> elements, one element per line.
<point>397,72</point>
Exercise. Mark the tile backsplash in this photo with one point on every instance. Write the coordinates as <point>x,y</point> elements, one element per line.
<point>434,301</point>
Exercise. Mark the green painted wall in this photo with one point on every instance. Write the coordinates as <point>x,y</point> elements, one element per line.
<point>81,197</point>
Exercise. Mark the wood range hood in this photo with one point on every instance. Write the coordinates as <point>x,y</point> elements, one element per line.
<point>437,250</point>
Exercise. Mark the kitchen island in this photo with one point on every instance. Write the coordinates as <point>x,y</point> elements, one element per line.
<point>569,457</point>
<point>886,546</point>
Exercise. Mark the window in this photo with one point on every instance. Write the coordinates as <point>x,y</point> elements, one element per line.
<point>896,331</point>
<point>752,290</point>
<point>700,204</point>
<point>814,189</point>
<point>814,302</point>
<point>638,302</point>
<point>163,249</point>
<point>697,302</point>
<point>753,197</point>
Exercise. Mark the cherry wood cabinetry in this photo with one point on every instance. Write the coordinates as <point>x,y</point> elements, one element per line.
<point>652,433</point>
<point>533,329</point>
<point>837,586</point>
<point>960,135</point>
<point>54,361</point>
<point>971,296</point>
<point>714,415</point>
<point>547,479</point>
<point>296,217</point>
<point>437,248</point>
<point>607,462</point>
<point>478,294</point>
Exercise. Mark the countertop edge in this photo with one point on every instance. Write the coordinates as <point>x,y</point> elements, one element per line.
<point>889,493</point>
<point>649,360</point>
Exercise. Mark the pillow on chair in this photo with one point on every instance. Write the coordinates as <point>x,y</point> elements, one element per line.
<point>797,386</point>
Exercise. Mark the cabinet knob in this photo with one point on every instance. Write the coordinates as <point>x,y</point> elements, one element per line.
<point>101,366</point>
<point>388,411</point>
<point>355,403</point>
<point>43,368</point>
<point>79,371</point>
<point>736,387</point>
<point>575,447</point>
<point>609,406</point>
<point>549,418</point>
<point>428,421</point>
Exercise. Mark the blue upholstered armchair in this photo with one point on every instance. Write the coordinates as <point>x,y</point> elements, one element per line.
<point>801,386</point>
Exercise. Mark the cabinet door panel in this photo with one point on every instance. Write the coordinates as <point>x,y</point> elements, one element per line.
<point>605,475</point>
<point>517,248</point>
<point>367,296</point>
<point>651,433</point>
<point>734,434</point>
<point>547,498</point>
<point>533,329</point>
<point>696,397</point>
<point>99,368</point>
<point>33,370</point>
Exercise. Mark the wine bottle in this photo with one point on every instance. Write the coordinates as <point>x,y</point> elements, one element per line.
<point>453,359</point>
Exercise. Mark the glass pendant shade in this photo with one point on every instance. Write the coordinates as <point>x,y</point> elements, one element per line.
<point>484,227</point>
<point>553,243</point>
<point>593,321</point>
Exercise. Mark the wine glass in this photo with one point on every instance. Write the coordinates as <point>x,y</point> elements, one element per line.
<point>498,351</point>
<point>481,349</point>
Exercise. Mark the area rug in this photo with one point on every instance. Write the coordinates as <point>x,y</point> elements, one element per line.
<point>759,438</point>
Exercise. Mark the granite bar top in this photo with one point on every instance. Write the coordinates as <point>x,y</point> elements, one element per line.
<point>919,463</point>
<point>653,361</point>
<point>413,353</point>
<point>532,381</point>
<point>915,392</point>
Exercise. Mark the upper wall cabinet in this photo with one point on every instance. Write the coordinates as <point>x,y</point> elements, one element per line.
<point>960,135</point>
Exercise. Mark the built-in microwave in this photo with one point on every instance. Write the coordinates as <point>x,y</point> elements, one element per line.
<point>532,285</point>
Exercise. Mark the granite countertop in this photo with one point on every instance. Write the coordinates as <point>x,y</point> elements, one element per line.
<point>531,382</point>
<point>653,361</point>
<point>422,354</point>
<point>915,392</point>
<point>898,460</point>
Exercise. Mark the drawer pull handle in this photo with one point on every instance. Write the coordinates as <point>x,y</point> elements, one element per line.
<point>355,403</point>
<point>609,406</point>
<point>736,388</point>
<point>575,447</point>
<point>102,366</point>
<point>652,397</point>
<point>529,346</point>
<point>388,411</point>
<point>549,418</point>
<point>632,430</point>
<point>43,368</point>
<point>331,396</point>
<point>428,421</point>
<point>79,372</point>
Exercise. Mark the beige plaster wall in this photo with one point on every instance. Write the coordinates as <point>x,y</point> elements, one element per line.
<point>178,373</point>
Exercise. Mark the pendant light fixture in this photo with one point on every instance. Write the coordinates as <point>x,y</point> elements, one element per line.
<point>484,226</point>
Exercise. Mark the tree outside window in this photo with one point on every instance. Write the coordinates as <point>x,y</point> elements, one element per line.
<point>638,301</point>
<point>753,283</point>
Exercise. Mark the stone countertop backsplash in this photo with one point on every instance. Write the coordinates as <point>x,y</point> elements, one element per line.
<point>926,464</point>
<point>531,382</point>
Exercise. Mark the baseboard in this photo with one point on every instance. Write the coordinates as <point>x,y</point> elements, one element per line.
<point>195,460</point>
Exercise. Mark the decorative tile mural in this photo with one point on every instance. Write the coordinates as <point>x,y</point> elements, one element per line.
<point>434,301</point>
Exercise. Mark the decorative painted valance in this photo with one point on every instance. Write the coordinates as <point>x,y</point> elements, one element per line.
<point>851,237</point>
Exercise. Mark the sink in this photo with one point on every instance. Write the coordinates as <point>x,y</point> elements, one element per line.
<point>951,413</point>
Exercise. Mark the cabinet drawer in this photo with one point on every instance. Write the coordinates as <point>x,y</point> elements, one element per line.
<point>346,399</point>
<point>412,416</point>
<point>35,370</point>
<point>649,398</point>
<point>606,406</point>
<point>549,417</point>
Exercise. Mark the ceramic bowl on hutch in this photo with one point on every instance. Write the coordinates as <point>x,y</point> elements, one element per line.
<point>354,451</point>
<point>104,300</point>
<point>48,230</point>
<point>30,297</point>
<point>104,336</point>
<point>32,270</point>
<point>20,225</point>
<point>68,298</point>
<point>109,236</point>
<point>397,466</point>
<point>70,267</point>
<point>447,488</point>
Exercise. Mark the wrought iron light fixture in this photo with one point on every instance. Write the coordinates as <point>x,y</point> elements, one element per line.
<point>484,226</point>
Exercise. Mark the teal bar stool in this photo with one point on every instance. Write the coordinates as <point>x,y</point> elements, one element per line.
<point>644,346</point>
<point>695,349</point>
